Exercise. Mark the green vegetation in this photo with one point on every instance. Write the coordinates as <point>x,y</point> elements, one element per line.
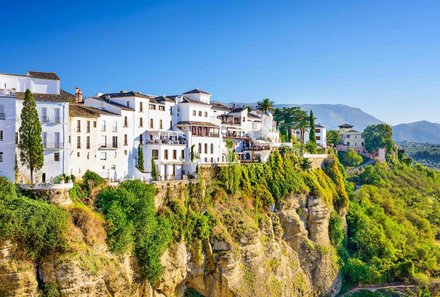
<point>36,226</point>
<point>312,147</point>
<point>379,136</point>
<point>153,169</point>
<point>91,182</point>
<point>291,118</point>
<point>140,158</point>
<point>426,154</point>
<point>30,143</point>
<point>393,223</point>
<point>133,225</point>
<point>265,105</point>
<point>351,158</point>
<point>333,137</point>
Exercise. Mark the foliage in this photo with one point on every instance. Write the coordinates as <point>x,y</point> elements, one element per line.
<point>306,164</point>
<point>265,105</point>
<point>336,229</point>
<point>351,158</point>
<point>379,136</point>
<point>140,158</point>
<point>30,143</point>
<point>36,226</point>
<point>311,147</point>
<point>153,169</point>
<point>91,181</point>
<point>393,221</point>
<point>333,137</point>
<point>132,224</point>
<point>426,154</point>
<point>192,293</point>
<point>291,118</point>
<point>51,290</point>
<point>312,134</point>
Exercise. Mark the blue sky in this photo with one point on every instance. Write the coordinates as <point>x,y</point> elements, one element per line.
<point>381,56</point>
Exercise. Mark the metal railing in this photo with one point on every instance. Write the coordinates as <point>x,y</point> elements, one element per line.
<point>53,145</point>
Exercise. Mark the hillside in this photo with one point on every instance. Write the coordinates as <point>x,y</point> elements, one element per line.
<point>333,115</point>
<point>419,132</point>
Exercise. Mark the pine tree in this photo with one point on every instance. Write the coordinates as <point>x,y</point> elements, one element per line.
<point>30,143</point>
<point>140,158</point>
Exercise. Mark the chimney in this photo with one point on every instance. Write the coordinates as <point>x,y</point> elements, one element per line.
<point>78,95</point>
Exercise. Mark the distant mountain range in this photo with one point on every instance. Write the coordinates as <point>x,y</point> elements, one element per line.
<point>333,115</point>
<point>419,132</point>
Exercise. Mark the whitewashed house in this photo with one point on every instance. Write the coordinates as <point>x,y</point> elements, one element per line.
<point>320,132</point>
<point>53,110</point>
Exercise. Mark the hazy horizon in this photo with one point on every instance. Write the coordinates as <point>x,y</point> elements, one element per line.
<point>381,57</point>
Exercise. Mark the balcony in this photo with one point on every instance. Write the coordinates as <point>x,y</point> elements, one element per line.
<point>53,145</point>
<point>7,92</point>
<point>114,146</point>
<point>50,121</point>
<point>167,140</point>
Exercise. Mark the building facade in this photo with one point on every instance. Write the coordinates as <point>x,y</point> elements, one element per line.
<point>351,138</point>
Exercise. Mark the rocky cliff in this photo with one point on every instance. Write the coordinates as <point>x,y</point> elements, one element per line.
<point>285,251</point>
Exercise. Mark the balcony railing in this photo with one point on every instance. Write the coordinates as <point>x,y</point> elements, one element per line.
<point>53,145</point>
<point>48,120</point>
<point>166,141</point>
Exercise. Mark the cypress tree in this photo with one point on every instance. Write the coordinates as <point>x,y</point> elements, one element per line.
<point>312,134</point>
<point>153,170</point>
<point>140,158</point>
<point>30,143</point>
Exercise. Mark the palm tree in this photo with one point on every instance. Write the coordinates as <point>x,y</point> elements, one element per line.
<point>265,105</point>
<point>301,121</point>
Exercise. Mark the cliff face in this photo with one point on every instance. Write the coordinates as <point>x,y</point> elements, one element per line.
<point>286,253</point>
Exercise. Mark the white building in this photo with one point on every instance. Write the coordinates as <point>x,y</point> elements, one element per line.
<point>351,138</point>
<point>53,109</point>
<point>320,132</point>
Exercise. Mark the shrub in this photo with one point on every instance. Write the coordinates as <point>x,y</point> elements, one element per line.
<point>351,158</point>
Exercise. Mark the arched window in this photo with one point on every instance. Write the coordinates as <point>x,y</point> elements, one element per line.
<point>206,114</point>
<point>206,148</point>
<point>194,113</point>
<point>200,148</point>
<point>200,113</point>
<point>212,148</point>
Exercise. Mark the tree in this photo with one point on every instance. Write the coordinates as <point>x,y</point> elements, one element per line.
<point>351,158</point>
<point>265,105</point>
<point>291,118</point>
<point>30,143</point>
<point>333,137</point>
<point>140,160</point>
<point>153,170</point>
<point>379,136</point>
<point>249,108</point>
<point>301,122</point>
<point>312,134</point>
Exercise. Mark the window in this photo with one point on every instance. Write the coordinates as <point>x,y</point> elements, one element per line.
<point>183,154</point>
<point>103,141</point>
<point>161,108</point>
<point>1,156</point>
<point>160,124</point>
<point>57,140</point>
<point>16,137</point>
<point>200,147</point>
<point>88,156</point>
<point>141,138</point>
<point>212,148</point>
<point>103,126</point>
<point>88,142</point>
<point>94,124</point>
<point>155,154</point>
<point>244,119</point>
<point>125,121</point>
<point>348,136</point>
<point>78,142</point>
<point>125,139</point>
<point>200,113</point>
<point>141,106</point>
<point>57,115</point>
<point>206,148</point>
<point>318,137</point>
<point>171,124</point>
<point>194,113</point>
<point>2,112</point>
<point>166,155</point>
<point>125,152</point>
<point>78,126</point>
<point>78,154</point>
<point>45,139</point>
<point>318,130</point>
<point>115,141</point>
<point>152,106</point>
<point>151,124</point>
<point>103,156</point>
<point>141,122</point>
<point>171,110</point>
<point>56,157</point>
<point>88,126</point>
<point>114,126</point>
<point>44,117</point>
<point>128,103</point>
<point>1,135</point>
<point>174,154</point>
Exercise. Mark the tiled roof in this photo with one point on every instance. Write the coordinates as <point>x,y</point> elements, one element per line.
<point>123,107</point>
<point>189,100</point>
<point>220,106</point>
<point>193,123</point>
<point>346,126</point>
<point>166,98</point>
<point>76,110</point>
<point>44,97</point>
<point>251,115</point>
<point>127,94</point>
<point>68,96</point>
<point>197,91</point>
<point>43,75</point>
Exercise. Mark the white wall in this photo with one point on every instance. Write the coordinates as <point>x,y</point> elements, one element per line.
<point>22,82</point>
<point>7,145</point>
